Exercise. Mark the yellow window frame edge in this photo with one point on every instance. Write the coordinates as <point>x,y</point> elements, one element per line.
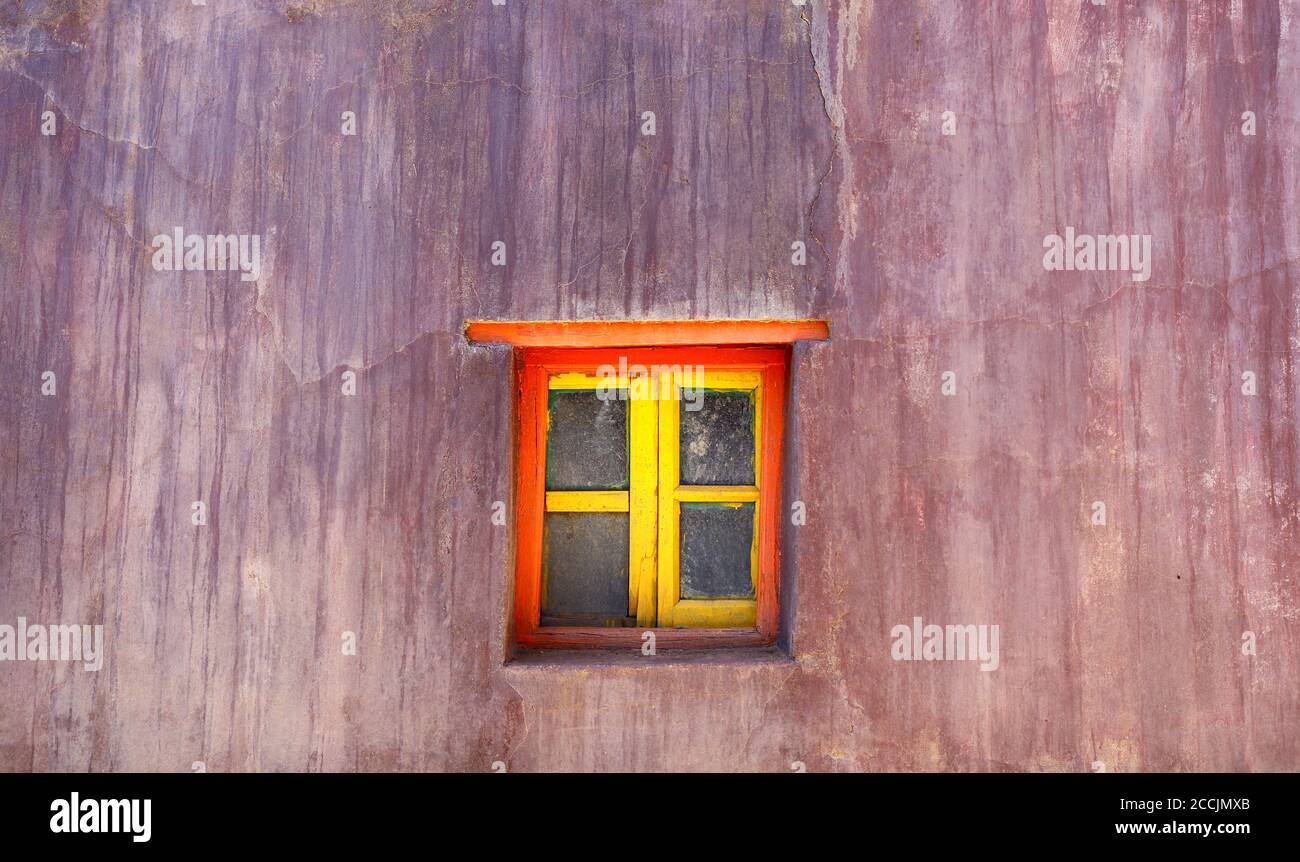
<point>674,611</point>
<point>654,496</point>
<point>639,501</point>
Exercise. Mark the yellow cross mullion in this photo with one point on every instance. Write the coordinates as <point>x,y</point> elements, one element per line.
<point>716,494</point>
<point>586,501</point>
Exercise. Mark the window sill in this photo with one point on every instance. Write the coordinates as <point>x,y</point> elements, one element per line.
<point>530,661</point>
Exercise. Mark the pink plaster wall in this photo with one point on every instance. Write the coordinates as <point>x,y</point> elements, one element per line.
<point>371,513</point>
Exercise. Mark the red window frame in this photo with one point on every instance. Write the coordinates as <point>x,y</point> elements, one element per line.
<point>534,365</point>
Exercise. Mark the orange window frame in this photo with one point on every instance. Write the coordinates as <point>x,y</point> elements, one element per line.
<point>535,366</point>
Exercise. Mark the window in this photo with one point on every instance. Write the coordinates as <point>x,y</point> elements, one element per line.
<point>648,489</point>
<point>648,492</point>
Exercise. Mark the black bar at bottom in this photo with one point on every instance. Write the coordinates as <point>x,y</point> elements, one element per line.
<point>616,814</point>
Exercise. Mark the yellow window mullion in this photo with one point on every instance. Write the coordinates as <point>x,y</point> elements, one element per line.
<point>669,475</point>
<point>643,470</point>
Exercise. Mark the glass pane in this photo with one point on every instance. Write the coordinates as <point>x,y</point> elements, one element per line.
<point>584,569</point>
<point>717,440</point>
<point>716,543</point>
<point>586,444</point>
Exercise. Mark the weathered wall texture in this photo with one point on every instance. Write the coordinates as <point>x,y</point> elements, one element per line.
<point>328,513</point>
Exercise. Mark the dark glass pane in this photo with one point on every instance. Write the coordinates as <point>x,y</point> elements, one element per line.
<point>586,444</point>
<point>717,440</point>
<point>716,541</point>
<point>584,569</point>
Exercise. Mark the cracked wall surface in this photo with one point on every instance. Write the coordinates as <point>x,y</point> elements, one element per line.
<point>370,513</point>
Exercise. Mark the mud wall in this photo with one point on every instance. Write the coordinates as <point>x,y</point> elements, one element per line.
<point>370,513</point>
